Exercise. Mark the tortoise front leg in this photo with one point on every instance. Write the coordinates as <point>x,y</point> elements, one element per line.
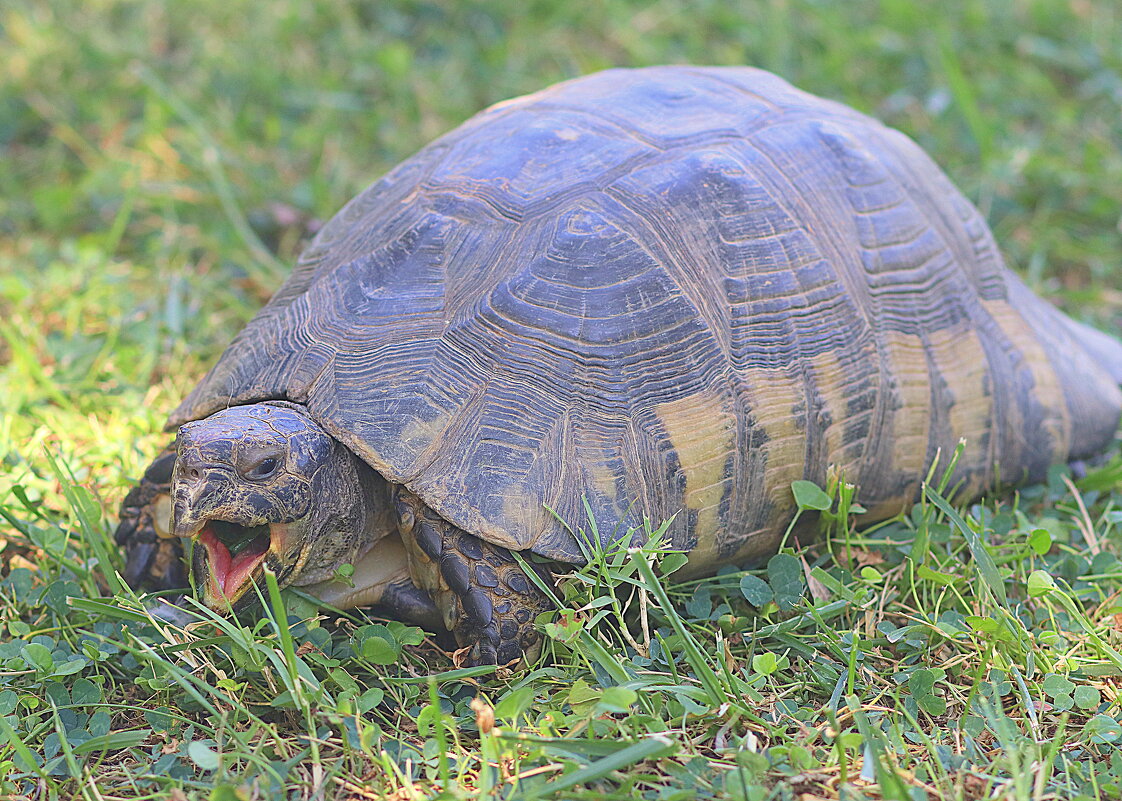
<point>381,579</point>
<point>153,555</point>
<point>486,599</point>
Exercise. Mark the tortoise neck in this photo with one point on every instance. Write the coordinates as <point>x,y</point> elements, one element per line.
<point>350,513</point>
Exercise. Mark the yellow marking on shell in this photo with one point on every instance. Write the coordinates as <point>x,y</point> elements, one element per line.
<point>603,479</point>
<point>418,433</point>
<point>1047,389</point>
<point>703,433</point>
<point>832,378</point>
<point>518,512</point>
<point>775,396</point>
<point>961,361</point>
<point>910,421</point>
<point>521,101</point>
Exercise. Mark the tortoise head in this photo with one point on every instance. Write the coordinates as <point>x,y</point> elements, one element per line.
<point>257,486</point>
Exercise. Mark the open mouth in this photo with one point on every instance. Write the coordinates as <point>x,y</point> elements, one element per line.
<point>233,554</point>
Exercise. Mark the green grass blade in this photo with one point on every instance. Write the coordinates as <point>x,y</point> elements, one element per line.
<point>16,743</point>
<point>106,609</point>
<point>982,558</point>
<point>114,741</point>
<point>651,747</point>
<point>694,655</point>
<point>84,507</point>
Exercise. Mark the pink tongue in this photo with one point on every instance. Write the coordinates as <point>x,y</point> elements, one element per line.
<point>229,573</point>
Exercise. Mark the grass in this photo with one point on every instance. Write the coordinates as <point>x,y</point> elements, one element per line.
<point>161,163</point>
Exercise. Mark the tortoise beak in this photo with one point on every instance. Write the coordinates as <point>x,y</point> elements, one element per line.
<point>188,524</point>
<point>222,576</point>
<point>197,495</point>
<point>227,555</point>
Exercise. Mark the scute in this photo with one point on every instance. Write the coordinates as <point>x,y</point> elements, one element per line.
<point>669,292</point>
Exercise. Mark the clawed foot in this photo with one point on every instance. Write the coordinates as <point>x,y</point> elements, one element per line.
<point>154,557</point>
<point>487,601</point>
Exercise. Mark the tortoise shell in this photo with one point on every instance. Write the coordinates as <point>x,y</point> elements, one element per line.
<point>668,293</point>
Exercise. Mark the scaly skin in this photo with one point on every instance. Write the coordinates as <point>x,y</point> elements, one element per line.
<point>153,555</point>
<point>270,465</point>
<point>487,600</point>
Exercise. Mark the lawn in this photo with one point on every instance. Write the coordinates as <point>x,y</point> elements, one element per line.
<point>161,165</point>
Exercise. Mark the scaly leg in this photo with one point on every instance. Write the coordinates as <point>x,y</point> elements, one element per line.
<point>485,598</point>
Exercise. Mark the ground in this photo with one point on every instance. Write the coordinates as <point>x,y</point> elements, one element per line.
<point>160,166</point>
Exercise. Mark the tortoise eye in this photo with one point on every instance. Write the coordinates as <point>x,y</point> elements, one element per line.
<point>263,469</point>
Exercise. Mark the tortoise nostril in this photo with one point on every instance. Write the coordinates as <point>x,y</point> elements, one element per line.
<point>194,474</point>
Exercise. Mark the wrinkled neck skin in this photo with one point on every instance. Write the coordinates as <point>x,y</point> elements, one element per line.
<point>358,527</point>
<point>350,511</point>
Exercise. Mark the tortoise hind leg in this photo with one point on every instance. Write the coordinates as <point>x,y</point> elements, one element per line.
<point>153,557</point>
<point>487,601</point>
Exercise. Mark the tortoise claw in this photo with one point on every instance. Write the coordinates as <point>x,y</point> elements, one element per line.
<point>408,603</point>
<point>139,559</point>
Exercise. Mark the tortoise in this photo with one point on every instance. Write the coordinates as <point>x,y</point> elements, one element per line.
<point>658,294</point>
